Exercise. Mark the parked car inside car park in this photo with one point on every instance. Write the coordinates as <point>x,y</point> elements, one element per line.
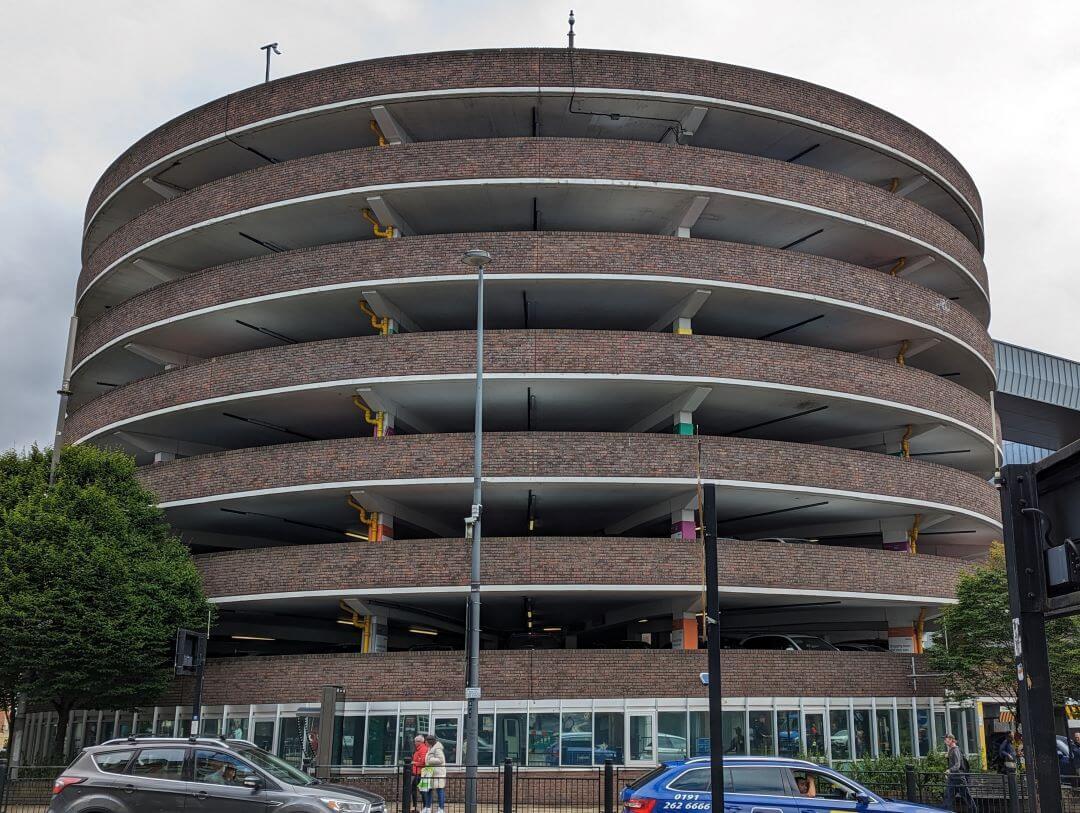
<point>856,646</point>
<point>157,774</point>
<point>755,784</point>
<point>788,642</point>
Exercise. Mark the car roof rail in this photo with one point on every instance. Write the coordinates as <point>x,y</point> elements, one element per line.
<point>136,738</point>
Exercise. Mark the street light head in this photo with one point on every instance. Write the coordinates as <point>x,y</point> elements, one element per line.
<point>476,257</point>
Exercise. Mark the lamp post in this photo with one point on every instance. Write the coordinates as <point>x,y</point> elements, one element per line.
<point>477,258</point>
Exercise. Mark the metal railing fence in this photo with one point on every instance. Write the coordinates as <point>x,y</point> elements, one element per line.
<point>512,789</point>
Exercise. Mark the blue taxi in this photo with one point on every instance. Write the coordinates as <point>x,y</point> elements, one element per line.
<point>755,785</point>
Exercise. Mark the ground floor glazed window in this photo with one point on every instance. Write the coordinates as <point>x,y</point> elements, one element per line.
<point>485,739</point>
<point>788,733</point>
<point>577,738</point>
<point>922,722</point>
<point>840,734</point>
<point>608,741</point>
<point>552,733</point>
<point>699,733</point>
<point>510,738</point>
<point>904,732</point>
<point>815,737</point>
<point>761,733</point>
<point>861,727</point>
<point>671,741</point>
<point>381,734</point>
<point>884,733</point>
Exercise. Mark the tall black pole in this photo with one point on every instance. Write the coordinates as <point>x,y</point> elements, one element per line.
<point>1024,559</point>
<point>65,393</point>
<point>712,638</point>
<point>476,258</point>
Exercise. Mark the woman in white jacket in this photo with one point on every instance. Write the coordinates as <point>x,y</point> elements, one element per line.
<point>436,761</point>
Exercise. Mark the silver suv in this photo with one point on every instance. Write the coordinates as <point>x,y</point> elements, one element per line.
<point>156,774</point>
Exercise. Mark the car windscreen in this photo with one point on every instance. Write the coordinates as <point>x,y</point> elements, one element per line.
<point>275,766</point>
<point>812,643</point>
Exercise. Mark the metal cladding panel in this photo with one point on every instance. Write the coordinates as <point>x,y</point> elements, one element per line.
<point>1029,374</point>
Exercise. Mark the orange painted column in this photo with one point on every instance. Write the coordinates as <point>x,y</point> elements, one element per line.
<point>684,632</point>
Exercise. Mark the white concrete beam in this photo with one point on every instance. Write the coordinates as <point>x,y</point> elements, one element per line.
<point>894,530</point>
<point>890,437</point>
<point>660,607</point>
<point>377,502</point>
<point>916,264</point>
<point>229,541</point>
<point>163,188</point>
<point>385,404</point>
<point>401,614</point>
<point>159,355</point>
<point>159,271</point>
<point>156,443</point>
<point>686,308</point>
<point>689,218</point>
<point>686,401</point>
<point>390,126</point>
<point>651,512</point>
<point>917,182</point>
<point>892,350</point>
<point>688,123</point>
<point>387,215</point>
<point>383,306</point>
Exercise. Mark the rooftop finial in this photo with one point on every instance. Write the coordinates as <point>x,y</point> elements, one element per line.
<point>570,35</point>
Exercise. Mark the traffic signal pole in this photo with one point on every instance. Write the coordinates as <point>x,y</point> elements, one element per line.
<point>1025,555</point>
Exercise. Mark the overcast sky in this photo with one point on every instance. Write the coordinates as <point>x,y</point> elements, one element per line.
<point>998,83</point>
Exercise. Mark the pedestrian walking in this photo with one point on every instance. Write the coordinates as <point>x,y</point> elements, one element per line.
<point>435,770</point>
<point>955,779</point>
<point>1074,757</point>
<point>419,760</point>
<point>1006,755</point>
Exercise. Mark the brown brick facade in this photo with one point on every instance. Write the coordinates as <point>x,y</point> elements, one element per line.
<point>530,158</point>
<point>535,351</point>
<point>531,68</point>
<point>558,674</point>
<point>576,560</point>
<point>538,252</point>
<point>567,454</point>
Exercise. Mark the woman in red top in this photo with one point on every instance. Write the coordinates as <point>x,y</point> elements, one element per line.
<point>419,758</point>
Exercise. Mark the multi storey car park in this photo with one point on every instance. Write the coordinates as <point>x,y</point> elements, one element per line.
<point>702,273</point>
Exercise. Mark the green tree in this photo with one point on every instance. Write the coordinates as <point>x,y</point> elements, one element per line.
<point>93,584</point>
<point>974,649</point>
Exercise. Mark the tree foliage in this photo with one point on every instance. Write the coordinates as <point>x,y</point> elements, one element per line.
<point>974,649</point>
<point>93,584</point>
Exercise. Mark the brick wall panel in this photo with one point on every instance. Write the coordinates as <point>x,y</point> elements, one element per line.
<point>496,158</point>
<point>540,351</point>
<point>568,454</point>
<point>531,67</point>
<point>536,252</point>
<point>577,560</point>
<point>557,674</point>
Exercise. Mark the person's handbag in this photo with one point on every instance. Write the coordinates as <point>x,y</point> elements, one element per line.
<point>425,778</point>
